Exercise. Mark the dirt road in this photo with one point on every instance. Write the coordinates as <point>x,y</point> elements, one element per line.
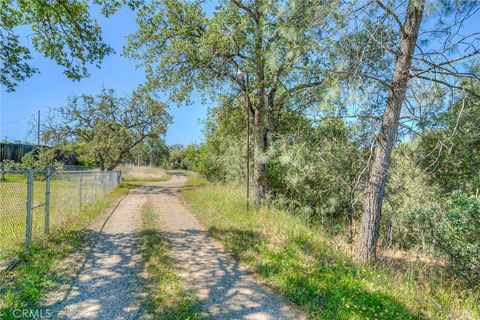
<point>107,286</point>
<point>225,289</point>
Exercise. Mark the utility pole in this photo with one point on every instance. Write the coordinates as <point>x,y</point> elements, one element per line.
<point>38,130</point>
<point>247,142</point>
<point>247,106</point>
<point>248,154</point>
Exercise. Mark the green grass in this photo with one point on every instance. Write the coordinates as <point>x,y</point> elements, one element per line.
<point>318,273</point>
<point>34,275</point>
<point>66,198</point>
<point>195,181</point>
<point>166,298</point>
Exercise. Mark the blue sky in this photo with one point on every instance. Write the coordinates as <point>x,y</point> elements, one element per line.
<point>50,88</point>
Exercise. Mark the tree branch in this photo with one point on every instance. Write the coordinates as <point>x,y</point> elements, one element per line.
<point>473,93</point>
<point>435,66</point>
<point>394,16</point>
<point>240,5</point>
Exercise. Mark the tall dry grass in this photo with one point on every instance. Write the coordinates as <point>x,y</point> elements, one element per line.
<point>144,173</point>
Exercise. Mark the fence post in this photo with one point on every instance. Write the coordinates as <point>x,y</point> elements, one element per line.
<point>28,222</point>
<point>102,182</point>
<point>47,201</point>
<point>81,191</point>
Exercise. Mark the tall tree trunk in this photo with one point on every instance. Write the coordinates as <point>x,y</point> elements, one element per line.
<point>375,188</point>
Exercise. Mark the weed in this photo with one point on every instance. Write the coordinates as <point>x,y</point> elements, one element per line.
<point>166,298</point>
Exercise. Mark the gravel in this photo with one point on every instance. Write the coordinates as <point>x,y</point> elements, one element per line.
<point>224,287</point>
<point>107,284</point>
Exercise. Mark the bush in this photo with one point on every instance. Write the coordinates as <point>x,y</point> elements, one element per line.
<point>454,225</point>
<point>37,159</point>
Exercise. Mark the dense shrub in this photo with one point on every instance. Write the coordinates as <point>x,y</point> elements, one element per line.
<point>454,225</point>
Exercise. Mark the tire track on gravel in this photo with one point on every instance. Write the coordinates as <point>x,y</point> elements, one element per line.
<point>225,289</point>
<point>107,286</point>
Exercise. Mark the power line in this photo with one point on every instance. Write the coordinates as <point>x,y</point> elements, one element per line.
<point>18,120</point>
<point>14,130</point>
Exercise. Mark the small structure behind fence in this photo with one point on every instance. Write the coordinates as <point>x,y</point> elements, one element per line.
<point>14,151</point>
<point>33,202</point>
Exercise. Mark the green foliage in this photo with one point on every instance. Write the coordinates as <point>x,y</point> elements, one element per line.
<point>183,48</point>
<point>152,151</point>
<point>317,171</point>
<point>407,187</point>
<point>223,156</point>
<point>450,152</point>
<point>454,225</point>
<point>314,170</point>
<point>63,31</point>
<point>179,157</point>
<point>38,159</point>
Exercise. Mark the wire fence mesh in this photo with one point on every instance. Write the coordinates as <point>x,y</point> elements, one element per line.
<point>13,197</point>
<point>33,202</point>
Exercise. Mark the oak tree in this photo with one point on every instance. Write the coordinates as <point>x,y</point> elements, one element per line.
<point>107,126</point>
<point>267,52</point>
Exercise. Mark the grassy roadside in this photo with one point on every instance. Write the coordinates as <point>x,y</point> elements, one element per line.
<point>34,276</point>
<point>318,274</point>
<point>165,296</point>
<point>194,180</point>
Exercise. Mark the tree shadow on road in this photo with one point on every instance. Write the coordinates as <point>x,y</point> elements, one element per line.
<point>166,297</point>
<point>109,267</point>
<point>225,288</point>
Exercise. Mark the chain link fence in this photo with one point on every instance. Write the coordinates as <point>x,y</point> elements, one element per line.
<point>32,202</point>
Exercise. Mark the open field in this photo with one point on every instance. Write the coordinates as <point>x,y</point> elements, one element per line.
<point>318,274</point>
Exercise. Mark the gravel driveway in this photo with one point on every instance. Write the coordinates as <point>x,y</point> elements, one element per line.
<point>107,283</point>
<point>225,289</point>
